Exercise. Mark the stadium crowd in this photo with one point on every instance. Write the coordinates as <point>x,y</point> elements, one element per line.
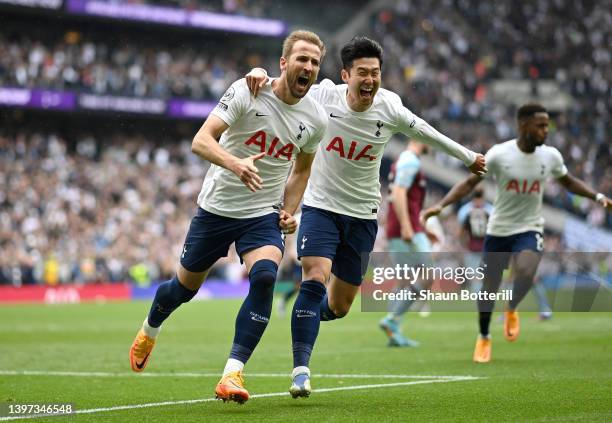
<point>441,65</point>
<point>113,207</point>
<point>93,214</point>
<point>76,61</point>
<point>108,208</point>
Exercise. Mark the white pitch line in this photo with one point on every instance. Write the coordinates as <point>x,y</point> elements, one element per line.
<point>271,375</point>
<point>268,395</point>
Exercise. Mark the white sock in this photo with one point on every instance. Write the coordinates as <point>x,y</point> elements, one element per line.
<point>233,365</point>
<point>150,331</point>
<point>300,369</point>
<point>484,337</point>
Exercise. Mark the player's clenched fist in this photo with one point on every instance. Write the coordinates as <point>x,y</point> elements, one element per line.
<point>246,170</point>
<point>479,167</point>
<point>287,222</point>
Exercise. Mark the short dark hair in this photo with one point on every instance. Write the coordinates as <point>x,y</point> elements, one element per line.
<point>528,110</point>
<point>358,48</point>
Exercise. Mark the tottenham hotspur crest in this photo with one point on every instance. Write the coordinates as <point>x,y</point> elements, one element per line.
<point>379,125</point>
<point>302,129</point>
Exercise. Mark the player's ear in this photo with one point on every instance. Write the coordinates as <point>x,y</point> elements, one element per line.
<point>283,64</point>
<point>344,75</point>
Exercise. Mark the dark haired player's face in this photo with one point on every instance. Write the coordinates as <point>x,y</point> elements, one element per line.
<point>301,67</point>
<point>363,80</point>
<point>536,128</point>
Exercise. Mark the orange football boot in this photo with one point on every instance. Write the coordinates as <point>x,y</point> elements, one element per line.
<point>482,351</point>
<point>141,351</point>
<point>511,325</point>
<point>231,388</point>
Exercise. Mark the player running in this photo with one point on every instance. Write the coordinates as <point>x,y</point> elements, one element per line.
<point>409,240</point>
<point>242,199</point>
<point>520,167</point>
<point>338,223</point>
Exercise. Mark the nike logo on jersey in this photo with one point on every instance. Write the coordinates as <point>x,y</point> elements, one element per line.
<point>335,116</point>
<point>260,114</point>
<point>413,123</point>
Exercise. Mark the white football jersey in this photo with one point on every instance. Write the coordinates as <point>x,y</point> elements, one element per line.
<point>520,179</point>
<point>345,172</point>
<point>257,125</point>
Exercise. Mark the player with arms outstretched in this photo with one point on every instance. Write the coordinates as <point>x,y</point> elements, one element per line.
<point>341,202</point>
<point>520,168</point>
<point>245,197</point>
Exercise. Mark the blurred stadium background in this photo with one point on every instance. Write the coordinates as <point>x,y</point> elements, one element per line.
<point>99,101</point>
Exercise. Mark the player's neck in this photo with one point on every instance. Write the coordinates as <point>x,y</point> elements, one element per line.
<point>354,104</point>
<point>280,88</point>
<point>525,146</point>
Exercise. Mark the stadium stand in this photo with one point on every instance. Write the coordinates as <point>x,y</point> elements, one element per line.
<point>96,204</point>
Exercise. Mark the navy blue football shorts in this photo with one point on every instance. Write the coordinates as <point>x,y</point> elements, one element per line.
<point>512,244</point>
<point>211,235</point>
<point>343,239</point>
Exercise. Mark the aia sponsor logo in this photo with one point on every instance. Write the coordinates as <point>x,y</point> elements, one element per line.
<point>349,151</point>
<point>523,186</point>
<point>273,149</point>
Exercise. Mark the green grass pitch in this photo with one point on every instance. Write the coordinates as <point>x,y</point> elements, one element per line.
<point>559,370</point>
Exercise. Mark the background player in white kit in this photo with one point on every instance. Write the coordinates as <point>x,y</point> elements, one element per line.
<point>279,129</point>
<point>520,167</point>
<point>338,225</point>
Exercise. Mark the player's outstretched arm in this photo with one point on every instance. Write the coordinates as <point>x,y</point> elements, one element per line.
<point>459,191</point>
<point>424,132</point>
<point>294,190</point>
<point>206,146</point>
<point>256,79</point>
<point>578,187</point>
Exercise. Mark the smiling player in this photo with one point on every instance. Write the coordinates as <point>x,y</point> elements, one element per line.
<point>338,224</point>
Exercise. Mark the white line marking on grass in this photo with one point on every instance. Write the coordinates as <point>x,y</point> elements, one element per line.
<point>268,395</point>
<point>191,374</point>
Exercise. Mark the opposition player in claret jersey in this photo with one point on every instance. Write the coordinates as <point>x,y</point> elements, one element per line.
<point>409,240</point>
<point>246,198</point>
<point>473,217</point>
<point>520,168</point>
<point>338,222</point>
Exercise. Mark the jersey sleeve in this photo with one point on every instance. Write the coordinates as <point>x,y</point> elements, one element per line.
<point>320,91</point>
<point>233,103</point>
<point>413,126</point>
<point>558,166</point>
<point>406,170</point>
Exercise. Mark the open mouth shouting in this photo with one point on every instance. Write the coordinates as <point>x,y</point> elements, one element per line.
<point>303,81</point>
<point>366,92</point>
